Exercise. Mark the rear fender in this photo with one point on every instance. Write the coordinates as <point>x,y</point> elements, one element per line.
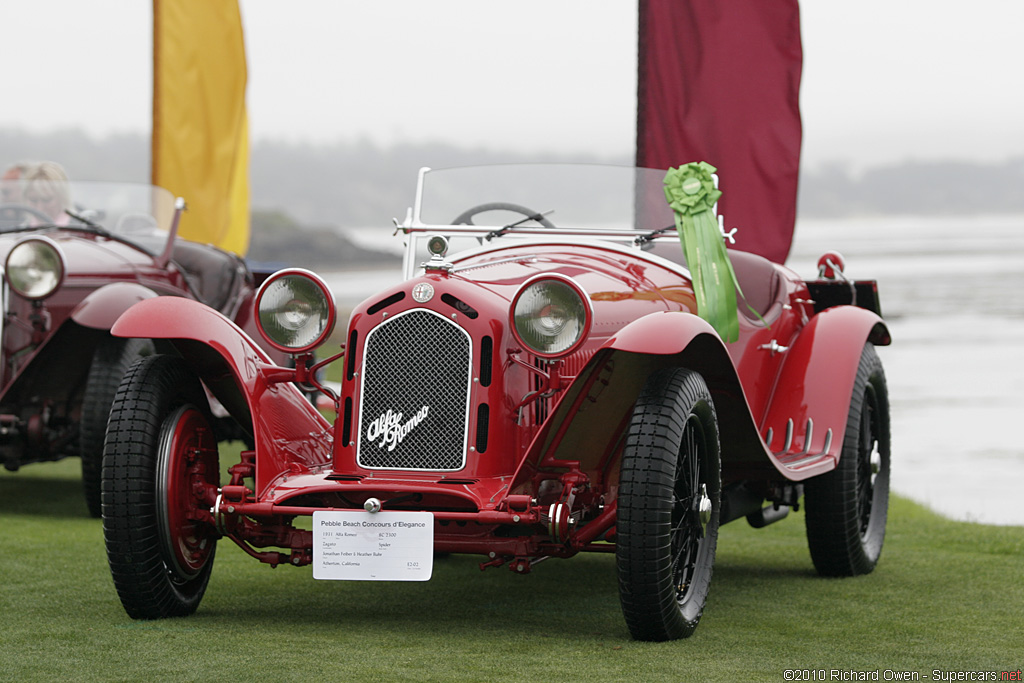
<point>287,429</point>
<point>806,419</point>
<point>589,423</point>
<point>103,306</point>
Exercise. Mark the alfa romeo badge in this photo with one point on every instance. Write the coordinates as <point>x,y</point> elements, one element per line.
<point>422,292</point>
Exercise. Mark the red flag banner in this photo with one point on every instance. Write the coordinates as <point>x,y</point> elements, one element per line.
<point>719,81</point>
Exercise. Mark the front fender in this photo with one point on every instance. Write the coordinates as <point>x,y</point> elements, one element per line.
<point>806,419</point>
<point>286,427</point>
<point>667,333</point>
<point>589,423</point>
<point>103,306</point>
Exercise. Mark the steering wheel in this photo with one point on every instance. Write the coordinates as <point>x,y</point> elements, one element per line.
<point>466,217</point>
<point>22,212</point>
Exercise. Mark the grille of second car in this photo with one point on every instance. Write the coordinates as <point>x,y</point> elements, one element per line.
<point>415,396</point>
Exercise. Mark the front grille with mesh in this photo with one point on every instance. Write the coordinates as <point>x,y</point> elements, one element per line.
<point>414,407</point>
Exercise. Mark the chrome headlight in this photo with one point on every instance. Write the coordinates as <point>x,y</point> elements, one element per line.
<point>551,315</point>
<point>35,268</point>
<point>295,311</point>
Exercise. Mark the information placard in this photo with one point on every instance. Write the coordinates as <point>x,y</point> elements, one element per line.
<point>373,546</point>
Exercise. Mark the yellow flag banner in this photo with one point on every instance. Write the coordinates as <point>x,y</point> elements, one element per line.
<point>200,147</point>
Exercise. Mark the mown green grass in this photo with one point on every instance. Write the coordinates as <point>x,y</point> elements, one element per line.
<point>946,596</point>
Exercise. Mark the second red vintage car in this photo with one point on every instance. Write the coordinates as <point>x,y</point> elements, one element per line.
<point>542,384</point>
<point>75,256</point>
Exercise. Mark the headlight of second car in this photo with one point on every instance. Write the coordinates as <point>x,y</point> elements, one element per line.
<point>551,315</point>
<point>295,310</point>
<point>35,268</point>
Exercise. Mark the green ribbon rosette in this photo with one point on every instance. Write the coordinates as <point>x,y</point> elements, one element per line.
<point>691,192</point>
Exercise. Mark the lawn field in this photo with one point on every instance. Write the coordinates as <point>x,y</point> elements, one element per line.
<point>946,596</point>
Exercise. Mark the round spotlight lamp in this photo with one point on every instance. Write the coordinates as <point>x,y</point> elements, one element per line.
<point>437,245</point>
<point>551,316</point>
<point>35,268</point>
<point>295,311</point>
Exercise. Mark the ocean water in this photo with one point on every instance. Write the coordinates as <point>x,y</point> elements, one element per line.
<point>952,293</point>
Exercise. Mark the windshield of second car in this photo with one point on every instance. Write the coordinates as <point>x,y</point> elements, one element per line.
<point>140,214</point>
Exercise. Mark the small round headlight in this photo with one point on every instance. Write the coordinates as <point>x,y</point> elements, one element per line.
<point>295,311</point>
<point>35,268</point>
<point>551,315</point>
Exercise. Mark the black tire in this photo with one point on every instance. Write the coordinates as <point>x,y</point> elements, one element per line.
<point>847,508</point>
<point>160,474</point>
<point>110,361</point>
<point>665,546</point>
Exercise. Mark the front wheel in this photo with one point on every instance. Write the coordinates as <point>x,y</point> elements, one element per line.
<point>668,507</point>
<point>847,508</point>
<point>160,478</point>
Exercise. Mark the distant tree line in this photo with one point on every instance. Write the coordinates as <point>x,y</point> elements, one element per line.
<point>277,240</point>
<point>914,187</point>
<point>325,189</point>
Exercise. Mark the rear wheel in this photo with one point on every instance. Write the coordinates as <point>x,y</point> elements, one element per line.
<point>847,509</point>
<point>668,507</point>
<point>110,361</point>
<point>160,477</point>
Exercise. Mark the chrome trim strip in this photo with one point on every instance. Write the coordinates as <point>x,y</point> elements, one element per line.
<point>591,241</point>
<point>828,443</point>
<point>800,462</point>
<point>789,436</point>
<point>808,435</point>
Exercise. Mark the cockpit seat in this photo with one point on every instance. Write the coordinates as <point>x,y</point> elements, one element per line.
<point>760,283</point>
<point>758,279</point>
<point>213,275</point>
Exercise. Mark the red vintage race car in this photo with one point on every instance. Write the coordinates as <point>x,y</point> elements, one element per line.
<point>75,256</point>
<point>540,385</point>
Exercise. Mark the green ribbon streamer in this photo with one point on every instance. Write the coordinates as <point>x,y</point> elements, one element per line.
<point>691,193</point>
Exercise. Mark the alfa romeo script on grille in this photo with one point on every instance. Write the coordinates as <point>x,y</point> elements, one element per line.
<point>390,429</point>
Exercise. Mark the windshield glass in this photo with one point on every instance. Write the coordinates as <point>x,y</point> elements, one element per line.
<point>140,214</point>
<point>572,196</point>
<point>487,205</point>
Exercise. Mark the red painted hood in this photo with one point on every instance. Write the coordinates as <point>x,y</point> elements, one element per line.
<point>622,283</point>
<point>86,255</point>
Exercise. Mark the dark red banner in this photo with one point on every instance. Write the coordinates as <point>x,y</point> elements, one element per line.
<point>719,81</point>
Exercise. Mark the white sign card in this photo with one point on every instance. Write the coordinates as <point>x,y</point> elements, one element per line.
<point>373,546</point>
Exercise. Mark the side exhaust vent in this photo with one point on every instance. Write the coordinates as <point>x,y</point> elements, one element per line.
<point>460,306</point>
<point>486,360</point>
<point>384,303</point>
<point>483,419</point>
<point>350,355</point>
